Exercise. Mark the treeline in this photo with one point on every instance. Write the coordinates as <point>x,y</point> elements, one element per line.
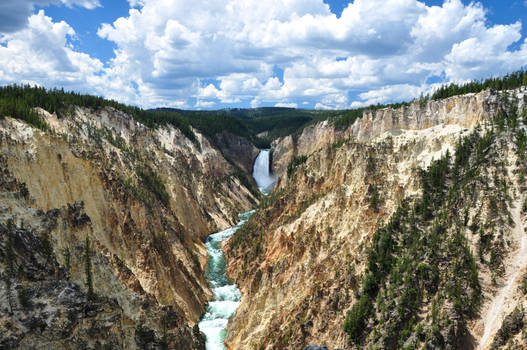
<point>279,125</point>
<point>274,121</point>
<point>342,119</point>
<point>211,123</point>
<point>509,81</point>
<point>421,258</point>
<point>19,101</point>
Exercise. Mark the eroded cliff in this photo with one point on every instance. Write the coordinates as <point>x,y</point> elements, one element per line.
<point>303,259</point>
<point>146,199</point>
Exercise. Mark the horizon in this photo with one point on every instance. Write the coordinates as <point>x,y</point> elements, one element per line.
<point>308,55</point>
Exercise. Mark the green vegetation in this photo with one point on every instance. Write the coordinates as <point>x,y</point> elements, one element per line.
<point>67,260</point>
<point>153,183</point>
<point>422,253</point>
<point>523,286</point>
<point>248,230</point>
<point>344,120</point>
<point>144,336</point>
<point>275,121</point>
<point>19,101</point>
<point>17,110</point>
<point>357,317</point>
<point>374,198</point>
<point>509,81</point>
<point>421,258</point>
<point>160,242</point>
<point>295,163</point>
<point>24,298</point>
<point>10,254</point>
<point>147,187</point>
<point>512,325</point>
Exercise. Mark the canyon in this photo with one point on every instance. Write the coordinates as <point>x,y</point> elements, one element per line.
<point>146,199</point>
<point>132,206</point>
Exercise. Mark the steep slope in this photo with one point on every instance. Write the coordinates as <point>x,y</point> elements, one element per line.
<point>465,111</point>
<point>146,198</point>
<point>307,255</point>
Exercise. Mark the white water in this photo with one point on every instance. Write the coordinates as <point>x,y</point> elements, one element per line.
<point>263,177</point>
<point>226,295</point>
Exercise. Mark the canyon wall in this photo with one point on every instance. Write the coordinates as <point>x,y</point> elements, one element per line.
<point>464,111</point>
<point>300,260</point>
<point>146,199</point>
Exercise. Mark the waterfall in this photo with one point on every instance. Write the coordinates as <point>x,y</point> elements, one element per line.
<point>261,172</point>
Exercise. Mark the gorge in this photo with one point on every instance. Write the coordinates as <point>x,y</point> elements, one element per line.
<point>227,296</point>
<point>263,175</point>
<point>404,228</point>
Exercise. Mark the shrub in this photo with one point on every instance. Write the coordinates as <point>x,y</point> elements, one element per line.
<point>295,163</point>
<point>357,318</point>
<point>24,298</point>
<point>154,184</point>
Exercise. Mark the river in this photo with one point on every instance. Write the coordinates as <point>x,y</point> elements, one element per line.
<point>227,296</point>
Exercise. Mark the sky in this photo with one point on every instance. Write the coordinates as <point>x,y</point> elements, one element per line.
<point>197,54</point>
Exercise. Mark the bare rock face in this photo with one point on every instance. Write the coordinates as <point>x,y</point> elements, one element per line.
<point>464,111</point>
<point>238,150</point>
<point>313,137</point>
<point>145,198</point>
<point>299,261</point>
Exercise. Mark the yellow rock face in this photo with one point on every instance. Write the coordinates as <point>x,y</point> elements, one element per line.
<point>148,251</point>
<point>311,237</point>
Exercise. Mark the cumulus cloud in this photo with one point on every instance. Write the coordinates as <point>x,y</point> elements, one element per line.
<point>136,3</point>
<point>400,92</point>
<point>322,106</point>
<point>14,14</point>
<point>89,4</point>
<point>168,52</point>
<point>286,105</point>
<point>41,53</point>
<point>204,104</point>
<point>387,48</point>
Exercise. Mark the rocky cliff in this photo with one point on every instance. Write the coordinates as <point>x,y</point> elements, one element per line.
<point>308,255</point>
<point>465,111</point>
<point>145,199</point>
<point>238,150</point>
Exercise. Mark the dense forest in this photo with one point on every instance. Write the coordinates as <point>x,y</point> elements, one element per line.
<point>19,101</point>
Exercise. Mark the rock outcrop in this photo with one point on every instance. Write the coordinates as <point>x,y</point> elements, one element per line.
<point>463,111</point>
<point>238,150</point>
<point>300,260</point>
<point>146,199</point>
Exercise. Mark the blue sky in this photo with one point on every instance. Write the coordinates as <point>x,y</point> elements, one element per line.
<point>225,53</point>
